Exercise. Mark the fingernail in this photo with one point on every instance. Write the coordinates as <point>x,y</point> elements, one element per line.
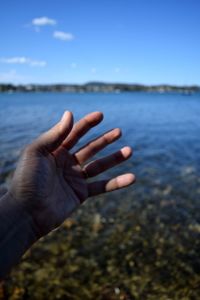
<point>65,115</point>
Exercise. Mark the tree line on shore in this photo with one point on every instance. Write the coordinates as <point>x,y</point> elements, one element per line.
<point>98,87</point>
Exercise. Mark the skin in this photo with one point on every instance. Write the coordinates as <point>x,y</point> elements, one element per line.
<point>51,181</point>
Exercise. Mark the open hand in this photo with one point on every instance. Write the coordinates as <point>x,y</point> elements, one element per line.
<point>51,180</point>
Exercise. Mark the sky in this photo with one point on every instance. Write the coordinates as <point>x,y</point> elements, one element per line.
<point>77,41</point>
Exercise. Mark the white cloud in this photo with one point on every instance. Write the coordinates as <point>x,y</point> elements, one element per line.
<point>43,21</point>
<point>63,36</point>
<point>38,63</point>
<point>11,76</point>
<point>23,61</point>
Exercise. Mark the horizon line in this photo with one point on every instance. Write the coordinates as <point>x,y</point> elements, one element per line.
<point>102,83</point>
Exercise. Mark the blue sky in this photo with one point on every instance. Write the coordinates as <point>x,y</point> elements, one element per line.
<point>76,41</point>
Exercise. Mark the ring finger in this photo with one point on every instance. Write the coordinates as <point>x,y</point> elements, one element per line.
<point>100,165</point>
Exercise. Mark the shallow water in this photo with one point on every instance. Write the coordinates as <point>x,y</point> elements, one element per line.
<point>149,234</point>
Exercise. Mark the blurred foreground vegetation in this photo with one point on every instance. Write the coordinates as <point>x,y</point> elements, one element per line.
<point>116,247</point>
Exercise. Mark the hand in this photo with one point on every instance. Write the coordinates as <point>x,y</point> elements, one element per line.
<point>51,181</point>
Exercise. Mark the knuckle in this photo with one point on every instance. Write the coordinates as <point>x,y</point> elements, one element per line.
<point>92,149</point>
<point>106,139</point>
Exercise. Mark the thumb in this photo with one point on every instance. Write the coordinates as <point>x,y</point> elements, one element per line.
<point>53,138</point>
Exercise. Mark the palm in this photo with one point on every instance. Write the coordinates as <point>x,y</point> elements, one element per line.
<point>69,187</point>
<point>51,179</point>
<point>71,176</point>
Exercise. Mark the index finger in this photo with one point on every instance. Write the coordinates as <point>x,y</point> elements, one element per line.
<point>81,128</point>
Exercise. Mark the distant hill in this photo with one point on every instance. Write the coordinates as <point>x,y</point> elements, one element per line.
<point>98,87</point>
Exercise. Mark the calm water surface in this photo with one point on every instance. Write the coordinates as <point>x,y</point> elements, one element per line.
<point>162,129</point>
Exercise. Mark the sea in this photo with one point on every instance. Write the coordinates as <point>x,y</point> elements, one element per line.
<point>149,233</point>
<point>163,130</point>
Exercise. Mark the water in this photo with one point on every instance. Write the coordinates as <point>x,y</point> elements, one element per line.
<point>149,233</point>
<point>162,129</point>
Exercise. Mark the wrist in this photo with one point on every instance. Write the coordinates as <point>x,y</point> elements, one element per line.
<point>18,215</point>
<point>17,233</point>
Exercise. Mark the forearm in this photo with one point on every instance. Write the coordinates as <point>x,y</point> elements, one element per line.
<point>17,233</point>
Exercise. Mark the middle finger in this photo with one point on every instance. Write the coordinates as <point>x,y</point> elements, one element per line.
<point>94,146</point>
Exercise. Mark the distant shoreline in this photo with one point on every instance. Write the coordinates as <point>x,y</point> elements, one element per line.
<point>98,87</point>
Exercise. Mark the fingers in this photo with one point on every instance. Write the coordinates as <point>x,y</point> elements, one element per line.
<point>104,186</point>
<point>53,138</point>
<point>89,150</point>
<point>98,166</point>
<point>81,127</point>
